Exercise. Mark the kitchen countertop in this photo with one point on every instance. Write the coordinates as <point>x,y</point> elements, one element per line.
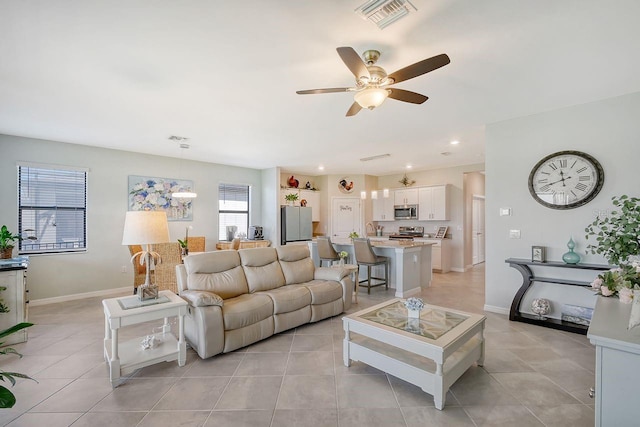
<point>385,243</point>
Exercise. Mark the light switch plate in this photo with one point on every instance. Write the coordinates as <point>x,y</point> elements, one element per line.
<point>505,211</point>
<point>514,234</point>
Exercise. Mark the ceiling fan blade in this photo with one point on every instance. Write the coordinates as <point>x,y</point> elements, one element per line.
<point>354,109</point>
<point>353,61</point>
<point>328,90</point>
<point>420,68</point>
<point>407,96</point>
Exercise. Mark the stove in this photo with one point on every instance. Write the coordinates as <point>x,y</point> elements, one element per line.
<point>408,233</point>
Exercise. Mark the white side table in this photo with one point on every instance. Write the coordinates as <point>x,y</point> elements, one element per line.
<point>353,270</point>
<point>124,358</point>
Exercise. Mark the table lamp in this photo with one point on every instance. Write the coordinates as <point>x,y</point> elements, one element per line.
<point>146,228</point>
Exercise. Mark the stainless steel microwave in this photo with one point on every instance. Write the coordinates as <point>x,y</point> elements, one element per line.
<point>405,212</point>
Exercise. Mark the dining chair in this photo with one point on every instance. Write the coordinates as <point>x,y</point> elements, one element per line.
<point>235,244</point>
<point>165,271</point>
<point>196,244</point>
<point>326,251</point>
<point>365,256</point>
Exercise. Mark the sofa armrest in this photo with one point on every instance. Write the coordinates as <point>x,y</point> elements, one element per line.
<point>330,273</point>
<point>202,298</point>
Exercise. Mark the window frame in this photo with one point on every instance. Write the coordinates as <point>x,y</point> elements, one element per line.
<point>227,211</point>
<point>84,209</point>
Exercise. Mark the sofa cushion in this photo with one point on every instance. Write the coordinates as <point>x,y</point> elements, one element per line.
<point>324,291</point>
<point>261,268</point>
<point>219,272</point>
<point>288,298</point>
<point>296,264</point>
<point>245,310</point>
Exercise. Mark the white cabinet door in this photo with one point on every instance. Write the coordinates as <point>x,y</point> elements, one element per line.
<point>313,202</point>
<point>406,196</point>
<point>433,203</point>
<point>383,208</point>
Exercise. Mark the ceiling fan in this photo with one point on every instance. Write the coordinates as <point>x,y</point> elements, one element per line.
<point>373,83</point>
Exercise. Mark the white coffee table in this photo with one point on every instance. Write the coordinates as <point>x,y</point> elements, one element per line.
<point>431,352</point>
<point>125,357</point>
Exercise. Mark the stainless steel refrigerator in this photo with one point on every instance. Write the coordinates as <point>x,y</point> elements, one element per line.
<point>296,224</point>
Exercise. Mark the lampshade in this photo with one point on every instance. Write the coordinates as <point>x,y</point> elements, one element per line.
<point>374,194</point>
<point>371,98</point>
<point>145,228</point>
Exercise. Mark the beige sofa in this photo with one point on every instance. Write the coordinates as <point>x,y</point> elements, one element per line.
<point>240,297</point>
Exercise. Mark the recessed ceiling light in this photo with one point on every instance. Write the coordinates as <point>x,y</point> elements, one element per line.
<point>455,142</point>
<point>321,167</point>
<point>409,166</point>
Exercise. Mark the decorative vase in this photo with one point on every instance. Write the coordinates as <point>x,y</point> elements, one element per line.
<point>571,257</point>
<point>341,263</point>
<point>413,314</point>
<point>541,307</point>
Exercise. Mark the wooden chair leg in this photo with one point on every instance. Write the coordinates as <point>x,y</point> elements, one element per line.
<point>368,279</point>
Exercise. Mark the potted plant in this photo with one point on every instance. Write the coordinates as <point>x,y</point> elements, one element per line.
<point>353,235</point>
<point>184,244</point>
<point>7,240</point>
<point>617,234</point>
<point>291,198</point>
<point>7,398</point>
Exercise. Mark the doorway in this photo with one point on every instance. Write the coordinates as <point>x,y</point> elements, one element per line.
<point>345,217</point>
<point>477,230</point>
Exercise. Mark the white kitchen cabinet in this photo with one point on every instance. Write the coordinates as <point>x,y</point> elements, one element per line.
<point>406,196</point>
<point>312,198</point>
<point>313,202</point>
<point>617,360</point>
<point>440,254</point>
<point>13,276</point>
<point>382,208</point>
<point>433,203</point>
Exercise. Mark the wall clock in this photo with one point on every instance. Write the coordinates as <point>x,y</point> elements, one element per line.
<point>566,180</point>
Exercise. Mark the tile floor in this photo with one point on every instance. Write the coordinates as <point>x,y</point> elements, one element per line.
<point>532,376</point>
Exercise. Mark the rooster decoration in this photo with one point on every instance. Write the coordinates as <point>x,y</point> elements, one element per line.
<point>293,182</point>
<point>345,185</point>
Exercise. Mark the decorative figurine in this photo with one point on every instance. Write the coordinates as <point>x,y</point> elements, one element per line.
<point>541,307</point>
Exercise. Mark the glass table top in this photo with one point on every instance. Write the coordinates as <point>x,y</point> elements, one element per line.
<point>433,323</point>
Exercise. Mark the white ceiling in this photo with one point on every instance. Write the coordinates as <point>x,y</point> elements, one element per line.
<point>128,74</point>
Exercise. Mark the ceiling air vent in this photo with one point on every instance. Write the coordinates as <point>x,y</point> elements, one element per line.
<point>385,12</point>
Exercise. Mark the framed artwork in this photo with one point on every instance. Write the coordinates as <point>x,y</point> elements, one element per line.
<point>154,194</point>
<point>537,253</point>
<point>442,231</point>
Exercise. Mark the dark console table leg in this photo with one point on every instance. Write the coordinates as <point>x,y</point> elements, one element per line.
<point>526,283</point>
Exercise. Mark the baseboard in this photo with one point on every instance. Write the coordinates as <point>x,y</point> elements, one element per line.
<point>409,293</point>
<point>65,298</point>
<point>458,269</point>
<point>494,309</point>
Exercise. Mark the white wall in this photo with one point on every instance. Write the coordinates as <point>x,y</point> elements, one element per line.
<point>608,130</point>
<point>100,267</point>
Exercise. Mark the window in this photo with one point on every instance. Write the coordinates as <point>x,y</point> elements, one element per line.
<point>233,209</point>
<point>52,209</point>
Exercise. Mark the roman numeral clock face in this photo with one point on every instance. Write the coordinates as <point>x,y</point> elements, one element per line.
<point>566,180</point>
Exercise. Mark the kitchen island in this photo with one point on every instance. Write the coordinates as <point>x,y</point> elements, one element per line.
<point>410,263</point>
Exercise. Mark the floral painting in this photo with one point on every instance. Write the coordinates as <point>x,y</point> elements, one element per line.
<point>154,194</point>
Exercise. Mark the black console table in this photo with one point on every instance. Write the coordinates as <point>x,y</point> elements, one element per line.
<point>522,265</point>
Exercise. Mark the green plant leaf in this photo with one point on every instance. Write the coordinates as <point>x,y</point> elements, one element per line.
<point>7,399</point>
<point>15,329</point>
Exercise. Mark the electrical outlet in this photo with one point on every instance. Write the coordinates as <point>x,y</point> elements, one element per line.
<point>124,269</point>
<point>514,234</point>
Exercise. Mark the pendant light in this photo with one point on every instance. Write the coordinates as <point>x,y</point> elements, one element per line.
<point>183,146</point>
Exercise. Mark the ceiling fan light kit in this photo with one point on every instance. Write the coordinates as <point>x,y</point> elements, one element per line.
<point>371,98</point>
<point>373,84</point>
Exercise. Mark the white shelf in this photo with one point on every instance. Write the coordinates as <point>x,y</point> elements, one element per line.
<point>133,356</point>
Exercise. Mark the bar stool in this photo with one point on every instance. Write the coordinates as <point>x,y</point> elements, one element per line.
<point>365,256</point>
<point>326,252</point>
